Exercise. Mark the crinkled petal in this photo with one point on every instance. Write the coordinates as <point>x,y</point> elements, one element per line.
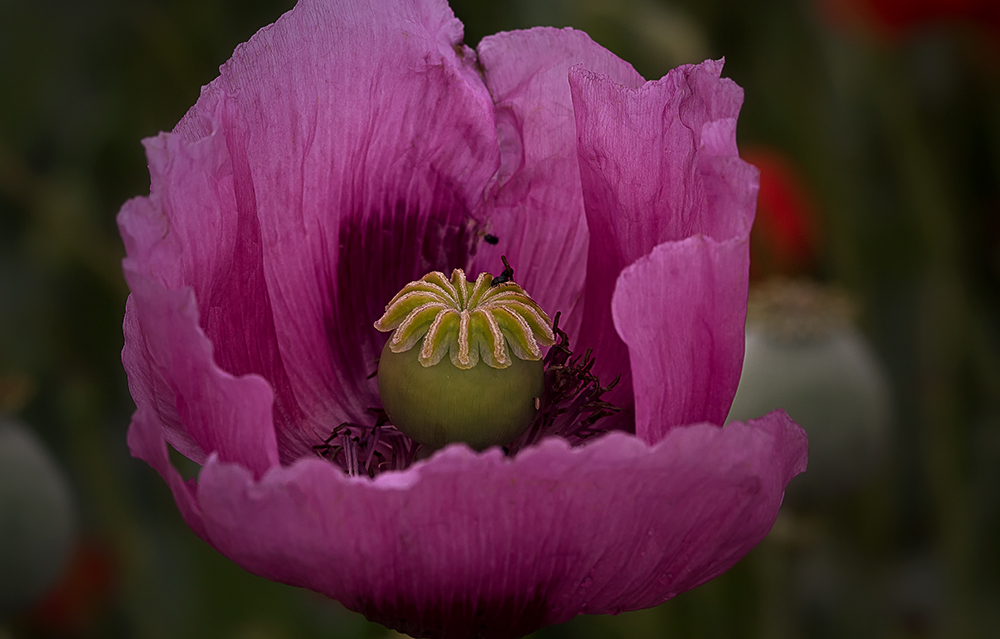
<point>538,212</point>
<point>370,141</point>
<point>343,152</point>
<point>651,163</point>
<point>149,387</point>
<point>221,413</point>
<point>470,544</point>
<point>681,311</point>
<point>198,229</point>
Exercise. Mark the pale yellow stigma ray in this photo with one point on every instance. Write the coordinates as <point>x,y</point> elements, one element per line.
<point>512,323</point>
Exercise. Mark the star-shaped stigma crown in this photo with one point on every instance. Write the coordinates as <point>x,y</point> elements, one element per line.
<point>467,321</point>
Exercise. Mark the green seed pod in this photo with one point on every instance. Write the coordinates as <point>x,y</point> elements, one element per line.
<point>484,392</point>
<point>803,354</point>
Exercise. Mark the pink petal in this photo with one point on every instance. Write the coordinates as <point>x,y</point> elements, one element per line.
<point>343,152</point>
<point>220,413</point>
<point>650,162</point>
<point>369,140</point>
<point>538,211</point>
<point>479,543</point>
<point>681,311</point>
<point>151,389</point>
<point>198,229</point>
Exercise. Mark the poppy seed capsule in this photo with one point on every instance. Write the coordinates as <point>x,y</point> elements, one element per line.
<point>464,360</point>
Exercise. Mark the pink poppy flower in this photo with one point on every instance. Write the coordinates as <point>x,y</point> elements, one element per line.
<point>350,148</point>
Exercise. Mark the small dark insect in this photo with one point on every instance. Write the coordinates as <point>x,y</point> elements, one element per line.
<point>489,238</point>
<point>506,276</point>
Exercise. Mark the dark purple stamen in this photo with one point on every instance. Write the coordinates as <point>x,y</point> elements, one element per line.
<point>368,449</point>
<point>571,404</point>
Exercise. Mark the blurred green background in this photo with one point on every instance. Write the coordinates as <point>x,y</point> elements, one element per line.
<point>883,118</point>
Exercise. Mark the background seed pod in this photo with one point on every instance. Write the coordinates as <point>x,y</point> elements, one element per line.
<point>37,518</point>
<point>803,354</point>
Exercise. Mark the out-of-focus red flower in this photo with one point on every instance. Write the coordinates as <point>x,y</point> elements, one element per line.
<point>897,17</point>
<point>785,236</point>
<point>77,601</point>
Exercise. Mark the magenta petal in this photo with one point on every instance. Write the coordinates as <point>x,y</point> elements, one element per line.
<point>343,152</point>
<point>149,387</point>
<point>222,414</point>
<point>369,140</point>
<point>681,311</point>
<point>658,164</point>
<point>473,544</point>
<point>538,214</point>
<point>198,229</point>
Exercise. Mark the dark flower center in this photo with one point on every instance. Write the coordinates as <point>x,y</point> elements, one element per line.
<point>570,407</point>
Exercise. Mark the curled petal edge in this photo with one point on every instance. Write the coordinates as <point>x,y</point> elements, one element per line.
<point>545,521</point>
<point>680,310</point>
